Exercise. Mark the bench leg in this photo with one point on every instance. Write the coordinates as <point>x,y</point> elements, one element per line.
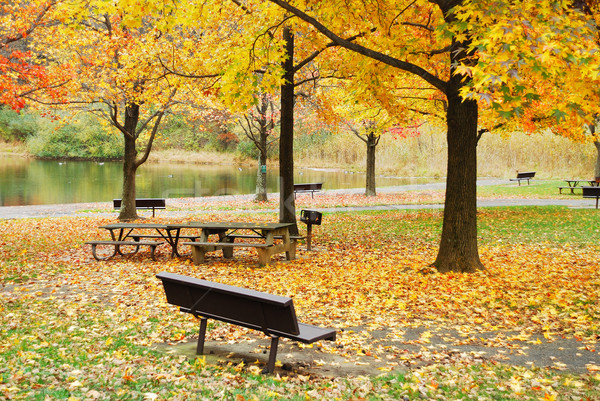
<point>152,249</point>
<point>118,250</point>
<point>272,354</point>
<point>227,251</point>
<point>201,336</point>
<point>291,254</point>
<point>264,256</point>
<point>198,253</point>
<point>104,258</point>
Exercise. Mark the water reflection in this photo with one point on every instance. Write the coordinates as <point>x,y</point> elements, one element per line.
<point>35,182</point>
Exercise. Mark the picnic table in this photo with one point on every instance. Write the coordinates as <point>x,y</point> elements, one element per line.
<point>575,184</point>
<point>228,232</point>
<point>135,233</point>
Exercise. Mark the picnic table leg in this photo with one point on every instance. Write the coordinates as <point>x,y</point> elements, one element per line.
<point>272,354</point>
<point>201,336</point>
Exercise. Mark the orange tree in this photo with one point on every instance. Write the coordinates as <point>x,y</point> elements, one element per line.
<point>476,55</point>
<point>121,73</point>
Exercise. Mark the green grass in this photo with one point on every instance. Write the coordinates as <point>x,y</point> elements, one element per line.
<point>536,189</point>
<point>531,224</point>
<point>508,225</point>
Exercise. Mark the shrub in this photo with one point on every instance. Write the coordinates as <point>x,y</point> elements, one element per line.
<point>81,138</point>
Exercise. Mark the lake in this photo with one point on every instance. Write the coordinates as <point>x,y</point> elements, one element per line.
<point>43,182</point>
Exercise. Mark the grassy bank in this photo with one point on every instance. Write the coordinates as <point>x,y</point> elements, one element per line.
<point>73,328</point>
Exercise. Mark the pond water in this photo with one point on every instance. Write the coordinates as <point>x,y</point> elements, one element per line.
<point>40,182</point>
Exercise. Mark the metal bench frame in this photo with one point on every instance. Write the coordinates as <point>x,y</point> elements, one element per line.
<point>274,315</point>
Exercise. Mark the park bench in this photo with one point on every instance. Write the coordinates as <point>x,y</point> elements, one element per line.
<point>117,247</point>
<point>274,315</point>
<point>144,203</point>
<point>591,192</point>
<point>524,176</point>
<point>312,188</point>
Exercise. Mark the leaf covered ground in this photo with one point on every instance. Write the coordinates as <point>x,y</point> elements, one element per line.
<point>74,328</point>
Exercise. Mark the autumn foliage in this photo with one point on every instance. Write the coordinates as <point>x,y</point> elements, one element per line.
<point>98,321</point>
<point>24,71</point>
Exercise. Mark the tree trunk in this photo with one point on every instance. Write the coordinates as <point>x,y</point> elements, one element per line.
<point>261,175</point>
<point>597,166</point>
<point>370,189</point>
<point>287,206</point>
<point>128,210</point>
<point>458,247</point>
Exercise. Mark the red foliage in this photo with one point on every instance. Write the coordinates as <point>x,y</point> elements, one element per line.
<point>398,132</point>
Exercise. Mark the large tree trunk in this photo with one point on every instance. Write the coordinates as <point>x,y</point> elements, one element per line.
<point>458,246</point>
<point>130,165</point>
<point>287,206</point>
<point>370,189</point>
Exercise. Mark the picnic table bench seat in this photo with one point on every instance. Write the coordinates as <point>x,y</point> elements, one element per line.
<point>274,315</point>
<point>117,247</point>
<point>199,249</point>
<point>560,189</point>
<point>250,236</point>
<point>525,176</point>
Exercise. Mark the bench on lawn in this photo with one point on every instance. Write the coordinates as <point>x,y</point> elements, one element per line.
<point>591,192</point>
<point>274,315</point>
<point>144,203</point>
<point>524,176</point>
<point>312,188</point>
<point>117,247</point>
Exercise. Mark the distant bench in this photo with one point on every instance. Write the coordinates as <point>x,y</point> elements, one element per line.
<point>312,188</point>
<point>591,192</point>
<point>274,315</point>
<point>524,176</point>
<point>144,203</point>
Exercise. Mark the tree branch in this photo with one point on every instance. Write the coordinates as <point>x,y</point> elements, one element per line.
<point>391,61</point>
